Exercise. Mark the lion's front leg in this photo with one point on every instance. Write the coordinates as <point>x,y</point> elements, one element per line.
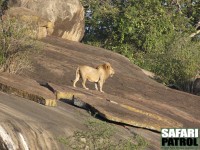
<point>101,85</point>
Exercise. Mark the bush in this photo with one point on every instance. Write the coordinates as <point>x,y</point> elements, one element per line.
<point>17,43</point>
<point>179,62</point>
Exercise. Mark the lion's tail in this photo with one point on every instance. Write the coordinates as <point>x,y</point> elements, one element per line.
<point>77,76</point>
<point>77,71</point>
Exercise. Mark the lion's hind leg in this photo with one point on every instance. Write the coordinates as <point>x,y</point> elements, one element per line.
<point>83,83</point>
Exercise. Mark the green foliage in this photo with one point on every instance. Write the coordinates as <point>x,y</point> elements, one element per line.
<point>196,38</point>
<point>128,144</point>
<point>153,34</point>
<point>142,24</point>
<point>177,64</point>
<point>99,136</point>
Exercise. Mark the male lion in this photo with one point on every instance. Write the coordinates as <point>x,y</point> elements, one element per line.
<point>97,75</point>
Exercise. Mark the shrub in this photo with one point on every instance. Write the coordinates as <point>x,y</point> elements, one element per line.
<point>177,64</point>
<point>17,43</point>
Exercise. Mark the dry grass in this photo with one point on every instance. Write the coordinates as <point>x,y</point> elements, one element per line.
<point>18,43</point>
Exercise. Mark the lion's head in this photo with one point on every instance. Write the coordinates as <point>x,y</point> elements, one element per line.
<point>109,71</point>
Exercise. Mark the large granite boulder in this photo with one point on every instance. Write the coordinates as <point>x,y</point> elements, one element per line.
<point>42,27</point>
<point>64,18</point>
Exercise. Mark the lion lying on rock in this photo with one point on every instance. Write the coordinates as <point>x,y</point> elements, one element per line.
<point>97,75</point>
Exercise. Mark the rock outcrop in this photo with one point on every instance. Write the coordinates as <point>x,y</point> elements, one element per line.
<point>131,98</point>
<point>62,18</point>
<point>130,94</point>
<point>40,26</point>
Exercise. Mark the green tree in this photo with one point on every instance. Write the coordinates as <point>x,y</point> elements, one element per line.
<point>133,24</point>
<point>151,33</point>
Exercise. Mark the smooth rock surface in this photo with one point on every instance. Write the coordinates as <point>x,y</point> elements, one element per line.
<point>131,99</point>
<point>143,98</point>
